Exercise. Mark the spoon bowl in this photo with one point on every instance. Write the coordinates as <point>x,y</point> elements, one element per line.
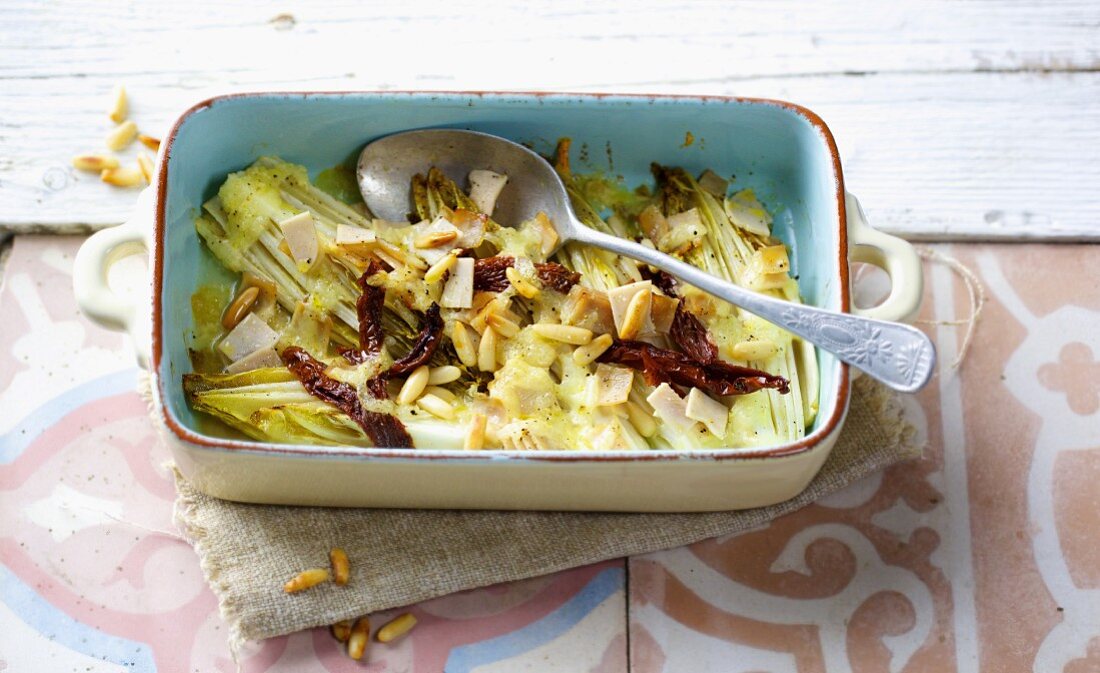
<point>899,355</point>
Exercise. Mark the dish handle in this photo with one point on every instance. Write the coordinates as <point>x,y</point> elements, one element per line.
<point>93,262</point>
<point>893,255</point>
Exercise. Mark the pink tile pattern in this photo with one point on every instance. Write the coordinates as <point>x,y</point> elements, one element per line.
<point>94,576</point>
<point>980,556</point>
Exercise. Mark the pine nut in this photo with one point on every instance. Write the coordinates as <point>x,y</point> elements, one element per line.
<point>94,162</point>
<point>122,177</point>
<point>463,340</point>
<point>636,312</point>
<point>341,630</point>
<point>239,307</point>
<point>396,628</point>
<point>442,393</point>
<point>754,350</point>
<point>436,407</point>
<point>434,239</point>
<point>358,639</point>
<point>502,326</point>
<point>341,568</point>
<point>149,141</point>
<point>642,422</point>
<point>414,385</point>
<point>267,287</point>
<point>122,135</point>
<point>586,355</point>
<point>577,336</point>
<point>306,579</point>
<point>487,351</point>
<point>119,105</point>
<point>145,165</point>
<point>442,375</point>
<point>475,435</point>
<point>523,286</point>
<point>435,272</point>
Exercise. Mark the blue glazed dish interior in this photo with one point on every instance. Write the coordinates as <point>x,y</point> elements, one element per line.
<point>773,148</point>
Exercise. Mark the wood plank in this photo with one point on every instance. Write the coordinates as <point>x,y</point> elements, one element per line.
<point>986,155</point>
<point>981,150</point>
<point>564,44</point>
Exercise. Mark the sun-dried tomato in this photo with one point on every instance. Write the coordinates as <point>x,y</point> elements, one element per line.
<point>687,330</point>
<point>384,430</point>
<point>660,365</point>
<point>431,333</point>
<point>556,277</point>
<point>491,274</point>
<point>689,333</point>
<point>665,282</point>
<point>377,388</point>
<point>368,307</point>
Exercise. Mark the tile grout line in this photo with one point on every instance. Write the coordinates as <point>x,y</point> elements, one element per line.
<point>960,558</point>
<point>626,611</point>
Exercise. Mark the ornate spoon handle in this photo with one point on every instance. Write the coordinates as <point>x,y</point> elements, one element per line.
<point>899,355</point>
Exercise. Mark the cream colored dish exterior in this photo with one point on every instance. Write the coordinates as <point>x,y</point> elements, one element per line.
<point>685,481</point>
<point>780,141</point>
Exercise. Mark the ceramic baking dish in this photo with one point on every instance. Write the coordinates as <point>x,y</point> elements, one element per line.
<point>785,152</point>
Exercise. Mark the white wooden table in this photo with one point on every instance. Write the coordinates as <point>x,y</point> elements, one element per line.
<point>959,121</point>
<point>954,119</point>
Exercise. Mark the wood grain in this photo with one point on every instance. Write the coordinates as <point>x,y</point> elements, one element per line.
<point>955,119</point>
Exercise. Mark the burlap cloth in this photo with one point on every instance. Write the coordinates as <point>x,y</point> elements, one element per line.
<point>400,557</point>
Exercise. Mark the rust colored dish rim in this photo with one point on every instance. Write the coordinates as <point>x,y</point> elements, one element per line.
<point>184,434</point>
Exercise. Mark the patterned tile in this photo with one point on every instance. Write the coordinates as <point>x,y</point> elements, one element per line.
<point>93,576</point>
<point>979,556</point>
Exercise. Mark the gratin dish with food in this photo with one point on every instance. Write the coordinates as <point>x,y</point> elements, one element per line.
<point>330,357</point>
<point>346,329</point>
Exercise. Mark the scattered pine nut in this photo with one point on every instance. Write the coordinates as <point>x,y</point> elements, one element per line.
<point>444,374</point>
<point>502,326</point>
<point>414,385</point>
<point>487,351</point>
<point>465,348</point>
<point>577,336</point>
<point>122,135</point>
<point>358,639</point>
<point>94,162</point>
<point>341,630</point>
<point>341,568</point>
<point>306,579</point>
<point>442,393</point>
<point>523,286</point>
<point>636,312</point>
<point>122,177</point>
<point>434,239</point>
<point>396,628</point>
<point>475,435</point>
<point>586,355</point>
<point>149,141</point>
<point>436,407</point>
<point>435,272</point>
<point>239,307</point>
<point>145,165</point>
<point>119,105</point>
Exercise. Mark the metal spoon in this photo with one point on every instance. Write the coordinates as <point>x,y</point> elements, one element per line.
<point>899,355</point>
